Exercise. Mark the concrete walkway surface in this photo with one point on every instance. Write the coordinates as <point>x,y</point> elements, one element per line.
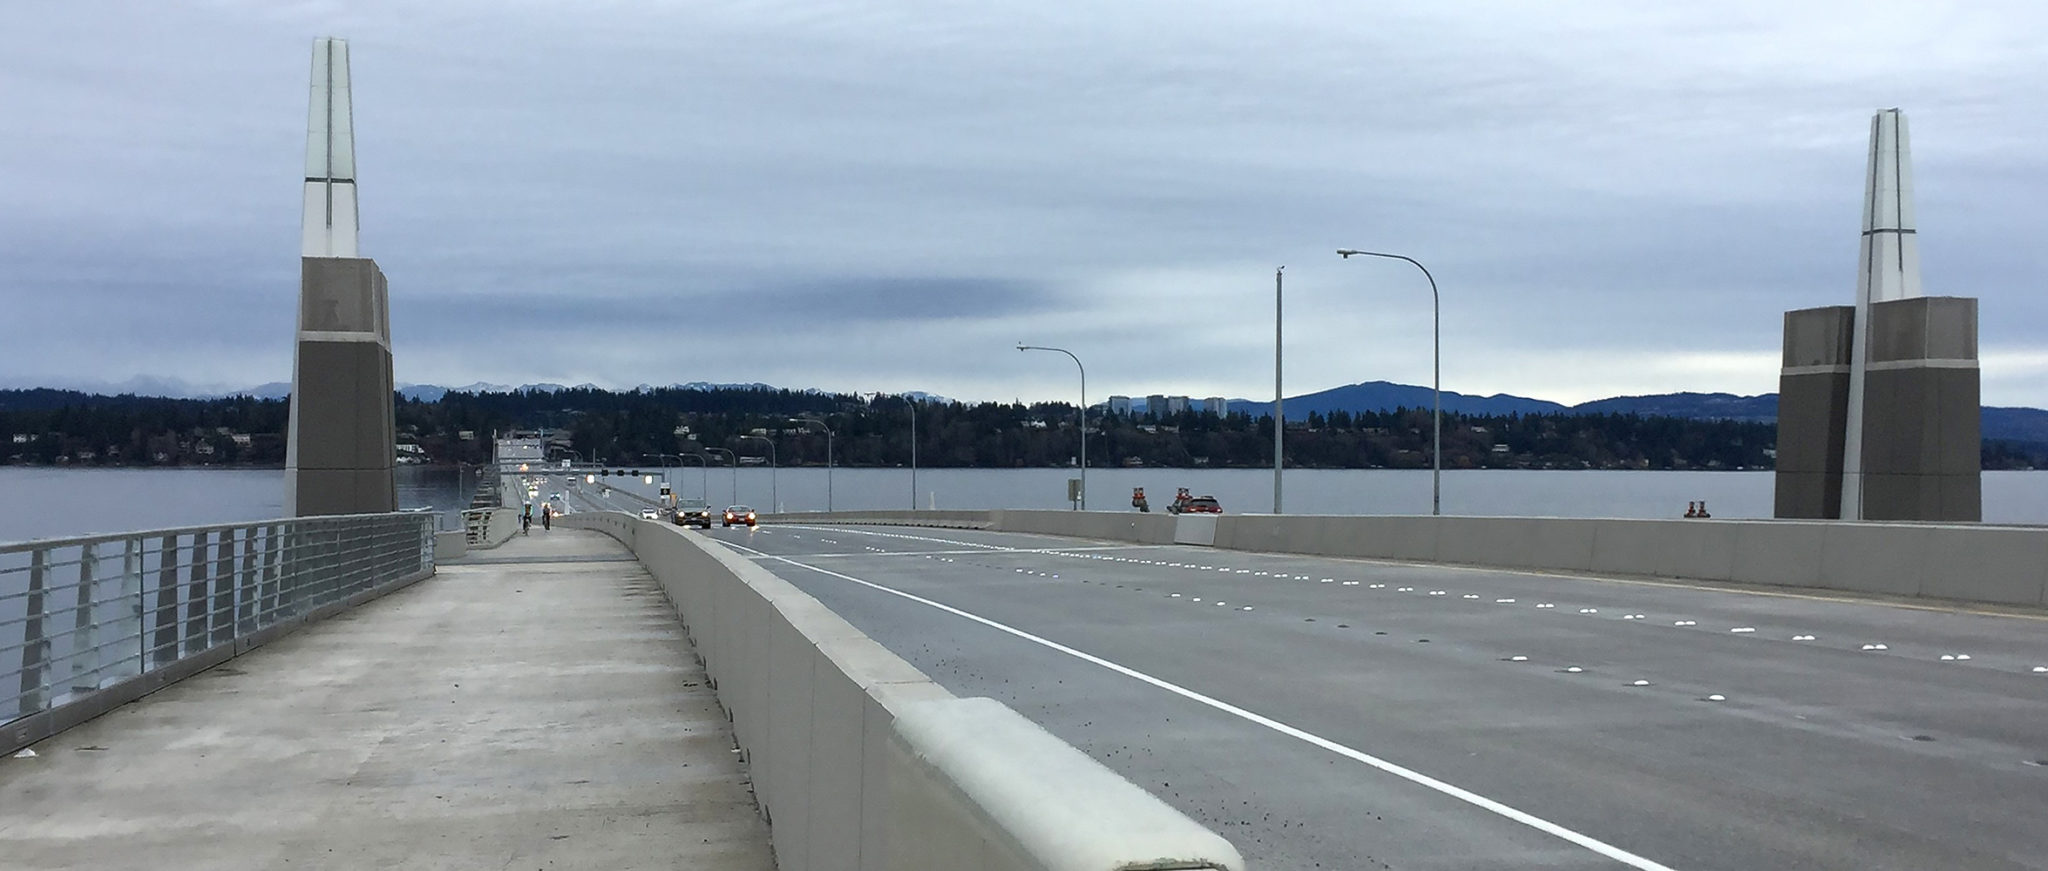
<point>534,706</point>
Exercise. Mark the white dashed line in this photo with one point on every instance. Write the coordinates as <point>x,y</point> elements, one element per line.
<point>1469,797</point>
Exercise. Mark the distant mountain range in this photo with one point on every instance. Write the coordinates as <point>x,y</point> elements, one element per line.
<point>2012,424</point>
<point>1387,396</point>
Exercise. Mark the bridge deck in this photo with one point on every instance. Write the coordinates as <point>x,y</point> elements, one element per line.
<point>534,707</point>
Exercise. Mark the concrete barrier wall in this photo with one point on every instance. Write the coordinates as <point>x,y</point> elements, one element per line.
<point>490,527</point>
<point>945,519</point>
<point>1105,525</point>
<point>2004,565</point>
<point>1963,562</point>
<point>860,761</point>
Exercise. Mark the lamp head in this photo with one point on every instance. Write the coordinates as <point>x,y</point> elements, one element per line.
<point>1347,252</point>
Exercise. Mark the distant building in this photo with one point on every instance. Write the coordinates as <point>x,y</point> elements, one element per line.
<point>1216,405</point>
<point>1176,404</point>
<point>1155,405</point>
<point>1120,405</point>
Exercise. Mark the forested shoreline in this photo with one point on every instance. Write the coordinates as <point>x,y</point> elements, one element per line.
<point>52,427</point>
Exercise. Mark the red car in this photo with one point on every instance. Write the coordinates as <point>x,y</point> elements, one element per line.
<point>1185,504</point>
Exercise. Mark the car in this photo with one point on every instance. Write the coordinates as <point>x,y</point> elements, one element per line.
<point>1183,503</point>
<point>693,512</point>
<point>739,514</point>
<point>649,514</point>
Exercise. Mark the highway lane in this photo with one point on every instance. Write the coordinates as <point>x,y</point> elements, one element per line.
<point>1352,714</point>
<point>580,496</point>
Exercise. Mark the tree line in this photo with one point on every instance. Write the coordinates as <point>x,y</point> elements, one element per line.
<point>674,425</point>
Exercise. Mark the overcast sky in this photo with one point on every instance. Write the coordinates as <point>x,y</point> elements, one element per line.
<point>1615,197</point>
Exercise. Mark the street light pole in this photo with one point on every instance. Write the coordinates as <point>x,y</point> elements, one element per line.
<point>774,496</point>
<point>828,457</point>
<point>1279,399</point>
<point>1083,501</point>
<point>735,472</point>
<point>704,485</point>
<point>1436,498</point>
<point>912,403</point>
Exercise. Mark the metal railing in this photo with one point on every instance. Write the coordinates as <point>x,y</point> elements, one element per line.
<point>79,616</point>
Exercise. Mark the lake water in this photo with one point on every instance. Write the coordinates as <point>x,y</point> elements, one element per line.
<point>56,503</point>
<point>49,502</point>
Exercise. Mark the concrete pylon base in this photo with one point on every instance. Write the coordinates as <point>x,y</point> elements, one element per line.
<point>342,447</point>
<point>1921,428</point>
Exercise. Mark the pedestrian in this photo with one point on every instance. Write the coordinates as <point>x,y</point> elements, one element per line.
<point>546,513</point>
<point>526,520</point>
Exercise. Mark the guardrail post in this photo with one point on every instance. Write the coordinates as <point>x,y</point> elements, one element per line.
<point>195,595</point>
<point>164,649</point>
<point>34,647</point>
<point>245,585</point>
<point>221,616</point>
<point>132,608</point>
<point>273,568</point>
<point>85,650</point>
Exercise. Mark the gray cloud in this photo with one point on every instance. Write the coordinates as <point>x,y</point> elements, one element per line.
<point>1616,197</point>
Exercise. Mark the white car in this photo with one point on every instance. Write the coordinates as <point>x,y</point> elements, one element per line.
<point>649,514</point>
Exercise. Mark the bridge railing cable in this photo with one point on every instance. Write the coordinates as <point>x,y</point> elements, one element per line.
<point>88,623</point>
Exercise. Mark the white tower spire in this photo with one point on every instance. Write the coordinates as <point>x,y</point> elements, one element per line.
<point>329,224</point>
<point>1889,270</point>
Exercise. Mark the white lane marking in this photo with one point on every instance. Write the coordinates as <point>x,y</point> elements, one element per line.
<point>1411,775</point>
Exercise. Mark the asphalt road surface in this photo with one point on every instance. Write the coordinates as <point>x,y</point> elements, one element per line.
<point>1328,713</point>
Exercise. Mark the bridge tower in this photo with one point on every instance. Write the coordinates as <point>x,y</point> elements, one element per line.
<point>341,450</point>
<point>1878,415</point>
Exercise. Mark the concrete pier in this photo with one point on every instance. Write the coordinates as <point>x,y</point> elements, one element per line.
<point>536,707</point>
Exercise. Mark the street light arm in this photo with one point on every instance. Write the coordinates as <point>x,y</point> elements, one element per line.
<point>1083,413</point>
<point>1347,252</point>
<point>1437,354</point>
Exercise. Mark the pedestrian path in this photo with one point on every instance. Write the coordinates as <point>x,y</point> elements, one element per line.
<point>535,706</point>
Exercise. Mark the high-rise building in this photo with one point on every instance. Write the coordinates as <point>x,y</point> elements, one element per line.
<point>1155,405</point>
<point>1176,404</point>
<point>1119,405</point>
<point>1216,405</point>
